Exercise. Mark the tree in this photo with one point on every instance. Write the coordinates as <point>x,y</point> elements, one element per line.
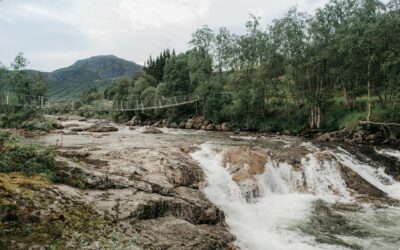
<point>156,67</point>
<point>176,76</point>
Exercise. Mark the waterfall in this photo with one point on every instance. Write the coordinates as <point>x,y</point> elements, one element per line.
<point>287,196</point>
<point>375,176</point>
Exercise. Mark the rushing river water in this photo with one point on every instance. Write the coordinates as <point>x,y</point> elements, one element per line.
<point>326,216</point>
<point>306,205</point>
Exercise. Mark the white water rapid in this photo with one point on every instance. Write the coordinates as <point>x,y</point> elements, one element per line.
<point>274,220</point>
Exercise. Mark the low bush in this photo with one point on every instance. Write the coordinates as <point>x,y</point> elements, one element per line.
<point>33,160</point>
<point>41,124</point>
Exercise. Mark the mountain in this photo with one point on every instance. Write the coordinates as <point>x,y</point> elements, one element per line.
<point>97,71</point>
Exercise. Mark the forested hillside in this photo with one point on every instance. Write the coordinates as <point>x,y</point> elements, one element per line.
<point>95,72</point>
<point>322,71</point>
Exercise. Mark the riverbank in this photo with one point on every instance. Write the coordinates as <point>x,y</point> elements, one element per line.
<point>160,188</point>
<point>373,134</point>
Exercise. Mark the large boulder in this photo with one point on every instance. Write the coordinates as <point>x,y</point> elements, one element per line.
<point>158,124</point>
<point>245,164</point>
<point>189,124</point>
<point>198,122</point>
<point>210,127</point>
<point>174,125</point>
<point>354,181</point>
<point>133,122</point>
<point>102,127</point>
<point>182,125</point>
<point>151,130</point>
<point>225,127</point>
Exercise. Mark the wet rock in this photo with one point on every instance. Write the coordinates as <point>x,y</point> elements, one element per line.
<point>59,126</point>
<point>359,184</point>
<point>218,127</point>
<point>102,127</point>
<point>328,223</point>
<point>79,129</point>
<point>70,133</point>
<point>245,164</point>
<point>158,124</point>
<point>74,154</point>
<point>71,125</point>
<point>162,233</point>
<point>62,119</point>
<point>174,125</point>
<point>360,135</point>
<point>225,127</point>
<point>182,125</point>
<point>133,122</point>
<point>189,124</point>
<point>198,122</point>
<point>210,127</point>
<point>152,130</point>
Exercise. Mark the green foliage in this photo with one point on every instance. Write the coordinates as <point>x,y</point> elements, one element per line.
<point>29,160</point>
<point>176,76</point>
<point>323,71</point>
<point>5,137</point>
<point>32,160</point>
<point>98,72</point>
<point>41,124</point>
<point>91,95</point>
<point>155,68</point>
<point>14,117</point>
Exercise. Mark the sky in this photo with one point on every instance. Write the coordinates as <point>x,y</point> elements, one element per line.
<point>55,33</point>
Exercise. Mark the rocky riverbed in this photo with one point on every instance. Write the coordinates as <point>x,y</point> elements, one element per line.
<point>165,188</point>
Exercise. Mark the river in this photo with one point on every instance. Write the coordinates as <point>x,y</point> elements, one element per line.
<point>309,196</point>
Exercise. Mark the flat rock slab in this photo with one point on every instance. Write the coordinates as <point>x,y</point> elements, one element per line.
<point>152,130</point>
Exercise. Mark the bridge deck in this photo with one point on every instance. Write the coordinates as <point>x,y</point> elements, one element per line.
<point>41,102</point>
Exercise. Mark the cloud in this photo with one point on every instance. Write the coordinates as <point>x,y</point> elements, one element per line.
<point>145,14</point>
<point>54,34</point>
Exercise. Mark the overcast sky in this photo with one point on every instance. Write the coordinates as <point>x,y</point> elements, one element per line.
<point>56,33</point>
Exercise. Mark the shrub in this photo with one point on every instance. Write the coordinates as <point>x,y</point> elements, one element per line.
<point>29,160</point>
<point>39,124</point>
<point>4,138</point>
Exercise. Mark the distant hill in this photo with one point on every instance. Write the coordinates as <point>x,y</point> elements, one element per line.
<point>97,71</point>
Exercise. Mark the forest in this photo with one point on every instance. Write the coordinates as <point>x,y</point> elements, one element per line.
<point>324,71</point>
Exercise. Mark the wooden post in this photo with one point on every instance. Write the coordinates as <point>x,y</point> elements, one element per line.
<point>7,99</point>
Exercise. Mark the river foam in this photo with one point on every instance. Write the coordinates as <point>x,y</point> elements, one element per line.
<point>273,220</point>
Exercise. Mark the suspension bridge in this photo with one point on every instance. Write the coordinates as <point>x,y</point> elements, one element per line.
<point>45,103</point>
